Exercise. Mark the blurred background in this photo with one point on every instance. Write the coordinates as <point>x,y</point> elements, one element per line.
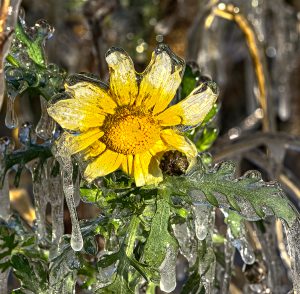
<point>249,47</point>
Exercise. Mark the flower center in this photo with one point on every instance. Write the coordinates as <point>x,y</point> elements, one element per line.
<point>130,131</point>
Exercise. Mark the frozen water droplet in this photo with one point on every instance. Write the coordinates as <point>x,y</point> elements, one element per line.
<point>11,120</point>
<point>245,250</point>
<point>46,125</point>
<point>202,214</point>
<point>253,174</point>
<point>168,271</point>
<point>44,29</point>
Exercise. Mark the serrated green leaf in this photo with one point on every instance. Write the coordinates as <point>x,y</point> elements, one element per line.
<point>159,238</point>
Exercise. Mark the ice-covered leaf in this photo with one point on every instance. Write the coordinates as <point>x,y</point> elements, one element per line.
<point>248,195</point>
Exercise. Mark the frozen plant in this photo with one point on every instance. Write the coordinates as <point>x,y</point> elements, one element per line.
<point>132,152</point>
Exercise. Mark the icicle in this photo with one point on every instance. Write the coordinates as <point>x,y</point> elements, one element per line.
<point>207,268</point>
<point>4,281</point>
<point>46,125</point>
<point>229,254</point>
<point>39,183</point>
<point>11,120</point>
<point>57,207</point>
<point>269,244</point>
<point>4,199</point>
<point>202,215</point>
<point>67,174</point>
<point>187,242</point>
<point>6,147</point>
<point>168,271</point>
<point>293,239</point>
<point>238,236</point>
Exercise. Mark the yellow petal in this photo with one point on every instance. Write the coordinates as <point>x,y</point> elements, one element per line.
<point>73,115</point>
<point>122,77</point>
<point>104,164</point>
<point>190,111</point>
<point>160,80</point>
<point>146,170</point>
<point>180,143</point>
<point>71,144</point>
<point>94,150</point>
<point>92,95</point>
<point>127,165</point>
<point>159,147</point>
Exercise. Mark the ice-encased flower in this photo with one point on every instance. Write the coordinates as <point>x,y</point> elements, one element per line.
<point>129,125</point>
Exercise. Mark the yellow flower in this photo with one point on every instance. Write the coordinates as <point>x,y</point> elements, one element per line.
<point>129,125</point>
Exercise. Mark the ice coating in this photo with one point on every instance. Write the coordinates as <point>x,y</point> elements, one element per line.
<point>168,271</point>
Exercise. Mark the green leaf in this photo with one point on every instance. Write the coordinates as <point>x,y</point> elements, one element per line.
<point>31,273</point>
<point>234,222</point>
<point>90,195</point>
<point>189,81</point>
<point>34,47</point>
<point>159,238</point>
<point>207,138</point>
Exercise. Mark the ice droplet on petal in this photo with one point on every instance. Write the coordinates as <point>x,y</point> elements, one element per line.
<point>168,271</point>
<point>67,175</point>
